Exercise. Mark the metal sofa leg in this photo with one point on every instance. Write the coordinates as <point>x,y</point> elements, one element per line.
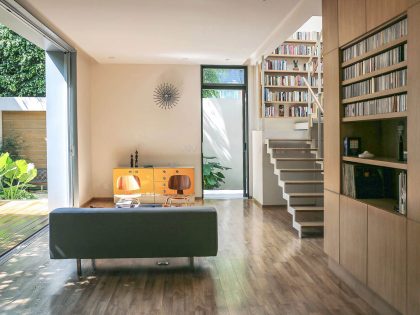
<point>191,259</point>
<point>79,267</point>
<point>94,264</point>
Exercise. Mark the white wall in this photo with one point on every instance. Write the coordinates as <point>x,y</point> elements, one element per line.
<point>84,65</point>
<point>124,118</point>
<point>222,137</point>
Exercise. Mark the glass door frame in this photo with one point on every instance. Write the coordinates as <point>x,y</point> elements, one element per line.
<point>245,120</point>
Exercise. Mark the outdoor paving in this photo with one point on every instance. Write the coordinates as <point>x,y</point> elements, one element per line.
<point>19,219</point>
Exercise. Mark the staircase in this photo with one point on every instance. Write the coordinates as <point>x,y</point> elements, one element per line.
<point>298,163</point>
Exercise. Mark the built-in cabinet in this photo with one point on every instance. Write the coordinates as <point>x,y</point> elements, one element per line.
<point>331,122</point>
<point>353,237</point>
<point>378,246</point>
<point>380,11</point>
<point>413,270</point>
<point>332,225</point>
<point>351,20</point>
<point>387,256</point>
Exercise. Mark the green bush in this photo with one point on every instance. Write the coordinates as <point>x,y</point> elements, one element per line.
<point>15,178</point>
<point>212,173</point>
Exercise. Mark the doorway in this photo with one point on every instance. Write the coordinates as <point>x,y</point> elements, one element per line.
<point>224,134</point>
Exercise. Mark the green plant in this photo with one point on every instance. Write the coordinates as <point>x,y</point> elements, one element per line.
<point>212,173</point>
<point>15,178</point>
<point>22,66</point>
<point>12,144</point>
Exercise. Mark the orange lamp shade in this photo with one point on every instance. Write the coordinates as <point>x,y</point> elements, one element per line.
<point>130,184</point>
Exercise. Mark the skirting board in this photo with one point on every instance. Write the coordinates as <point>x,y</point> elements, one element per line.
<point>374,300</point>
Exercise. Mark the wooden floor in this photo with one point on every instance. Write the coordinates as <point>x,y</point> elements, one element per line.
<point>262,268</point>
<point>19,219</point>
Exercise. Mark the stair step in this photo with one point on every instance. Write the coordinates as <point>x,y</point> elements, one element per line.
<point>305,195</point>
<point>307,208</point>
<point>311,224</point>
<point>296,149</point>
<point>298,159</point>
<point>289,139</point>
<point>303,182</point>
<point>301,170</point>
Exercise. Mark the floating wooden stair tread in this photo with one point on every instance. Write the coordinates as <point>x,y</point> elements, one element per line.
<point>296,149</point>
<point>302,182</point>
<point>311,223</point>
<point>305,195</point>
<point>290,140</point>
<point>298,159</point>
<point>308,208</point>
<point>301,170</point>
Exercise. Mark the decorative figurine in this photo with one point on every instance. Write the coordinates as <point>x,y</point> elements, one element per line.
<point>295,64</point>
<point>136,163</point>
<point>131,161</point>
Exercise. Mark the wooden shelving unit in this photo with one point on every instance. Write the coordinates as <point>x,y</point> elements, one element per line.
<point>272,107</point>
<point>375,117</point>
<point>378,161</point>
<point>378,132</point>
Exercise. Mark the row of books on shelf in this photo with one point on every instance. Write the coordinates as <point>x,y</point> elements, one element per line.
<point>371,182</point>
<point>383,60</point>
<point>306,36</point>
<point>389,34</point>
<point>276,96</point>
<point>295,49</point>
<point>384,82</point>
<point>283,64</point>
<point>392,104</point>
<point>285,111</point>
<point>289,80</point>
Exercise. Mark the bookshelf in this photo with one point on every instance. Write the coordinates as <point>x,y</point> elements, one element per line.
<point>284,95</point>
<point>373,102</point>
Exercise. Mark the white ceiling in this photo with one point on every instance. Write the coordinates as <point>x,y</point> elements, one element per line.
<point>165,31</point>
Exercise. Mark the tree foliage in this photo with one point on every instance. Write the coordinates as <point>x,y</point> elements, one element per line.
<point>22,66</point>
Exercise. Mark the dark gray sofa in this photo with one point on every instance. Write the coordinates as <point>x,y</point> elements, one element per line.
<point>94,233</point>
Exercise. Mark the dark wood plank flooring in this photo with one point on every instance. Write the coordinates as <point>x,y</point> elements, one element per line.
<point>262,268</point>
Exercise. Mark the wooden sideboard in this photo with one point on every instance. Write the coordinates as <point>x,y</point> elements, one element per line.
<point>153,183</point>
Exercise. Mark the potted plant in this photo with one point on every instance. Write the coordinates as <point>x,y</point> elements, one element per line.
<point>213,176</point>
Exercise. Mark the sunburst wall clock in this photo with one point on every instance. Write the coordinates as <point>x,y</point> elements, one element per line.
<point>166,96</point>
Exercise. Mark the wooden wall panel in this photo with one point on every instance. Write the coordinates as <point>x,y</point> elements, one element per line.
<point>351,20</point>
<point>387,256</point>
<point>413,127</point>
<point>381,11</point>
<point>353,237</point>
<point>413,268</point>
<point>30,129</point>
<point>332,225</point>
<point>330,25</point>
<point>331,122</point>
<point>412,2</point>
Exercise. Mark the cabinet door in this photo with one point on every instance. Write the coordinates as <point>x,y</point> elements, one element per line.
<point>413,126</point>
<point>413,268</point>
<point>387,256</point>
<point>330,25</point>
<point>332,225</point>
<point>142,177</point>
<point>351,20</point>
<point>353,237</point>
<point>331,122</point>
<point>381,11</point>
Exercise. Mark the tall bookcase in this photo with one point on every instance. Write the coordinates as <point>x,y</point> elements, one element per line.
<point>284,93</point>
<point>373,97</point>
